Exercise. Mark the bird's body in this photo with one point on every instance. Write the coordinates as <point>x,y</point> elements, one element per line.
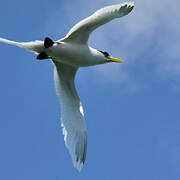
<point>78,55</point>
<point>67,55</point>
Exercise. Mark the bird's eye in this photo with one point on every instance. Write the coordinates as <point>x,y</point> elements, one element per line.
<point>106,54</point>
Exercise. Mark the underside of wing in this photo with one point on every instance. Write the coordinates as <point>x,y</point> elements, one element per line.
<point>72,116</point>
<point>81,31</point>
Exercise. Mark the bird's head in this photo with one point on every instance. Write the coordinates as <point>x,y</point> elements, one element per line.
<point>110,58</point>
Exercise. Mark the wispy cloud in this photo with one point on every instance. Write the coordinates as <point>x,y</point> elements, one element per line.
<point>150,31</point>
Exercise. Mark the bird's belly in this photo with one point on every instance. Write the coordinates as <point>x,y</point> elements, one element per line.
<point>76,55</point>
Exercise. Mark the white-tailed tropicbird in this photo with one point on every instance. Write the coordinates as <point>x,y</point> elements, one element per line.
<point>67,55</point>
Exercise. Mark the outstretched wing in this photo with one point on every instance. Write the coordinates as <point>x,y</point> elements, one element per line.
<point>81,31</point>
<point>36,46</point>
<point>72,116</point>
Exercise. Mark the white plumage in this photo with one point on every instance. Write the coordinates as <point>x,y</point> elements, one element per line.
<point>81,31</point>
<point>67,55</point>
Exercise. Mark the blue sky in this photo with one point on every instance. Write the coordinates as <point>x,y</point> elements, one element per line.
<point>132,109</point>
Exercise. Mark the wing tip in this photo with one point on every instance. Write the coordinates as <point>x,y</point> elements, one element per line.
<point>78,165</point>
<point>77,150</point>
<point>129,5</point>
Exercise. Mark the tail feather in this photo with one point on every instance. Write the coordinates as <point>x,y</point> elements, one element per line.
<point>36,46</point>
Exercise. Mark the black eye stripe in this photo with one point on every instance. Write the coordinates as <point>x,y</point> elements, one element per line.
<point>105,53</point>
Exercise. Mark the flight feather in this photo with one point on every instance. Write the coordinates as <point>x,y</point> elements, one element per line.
<point>72,116</point>
<point>81,31</point>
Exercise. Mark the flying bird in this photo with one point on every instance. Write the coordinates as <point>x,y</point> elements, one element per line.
<point>68,55</point>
